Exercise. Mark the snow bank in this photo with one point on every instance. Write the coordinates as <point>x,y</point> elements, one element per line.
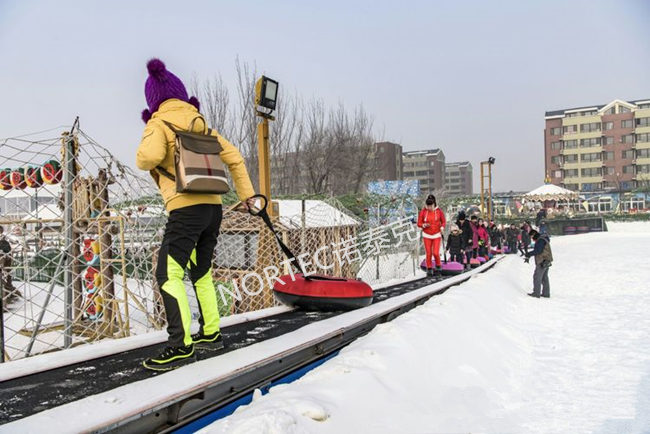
<point>484,357</point>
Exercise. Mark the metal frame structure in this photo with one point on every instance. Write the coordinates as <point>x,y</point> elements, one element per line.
<point>486,173</point>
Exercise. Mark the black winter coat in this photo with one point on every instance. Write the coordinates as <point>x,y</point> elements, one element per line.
<point>455,243</point>
<point>467,233</point>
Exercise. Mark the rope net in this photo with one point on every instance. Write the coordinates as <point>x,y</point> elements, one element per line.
<point>83,230</point>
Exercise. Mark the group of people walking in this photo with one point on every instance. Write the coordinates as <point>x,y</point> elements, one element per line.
<point>470,238</point>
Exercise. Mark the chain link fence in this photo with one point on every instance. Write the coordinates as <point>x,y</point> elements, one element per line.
<point>83,232</point>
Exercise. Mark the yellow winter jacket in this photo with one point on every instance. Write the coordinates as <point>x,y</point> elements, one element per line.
<point>157,149</point>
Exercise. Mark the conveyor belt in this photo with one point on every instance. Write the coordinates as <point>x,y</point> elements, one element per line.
<point>24,396</point>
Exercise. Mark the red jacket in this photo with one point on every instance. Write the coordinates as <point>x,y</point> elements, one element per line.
<point>483,235</point>
<point>435,218</point>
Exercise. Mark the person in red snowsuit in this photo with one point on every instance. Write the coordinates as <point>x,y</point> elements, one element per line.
<point>432,221</point>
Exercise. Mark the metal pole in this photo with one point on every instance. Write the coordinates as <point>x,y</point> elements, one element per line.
<point>482,191</point>
<point>2,315</point>
<point>303,225</point>
<point>264,161</point>
<point>68,279</point>
<point>490,204</point>
<point>39,322</point>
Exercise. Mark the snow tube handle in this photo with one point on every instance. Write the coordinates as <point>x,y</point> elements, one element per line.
<point>262,209</point>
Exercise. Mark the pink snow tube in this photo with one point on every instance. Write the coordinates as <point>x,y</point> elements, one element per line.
<point>474,263</point>
<point>481,259</point>
<point>451,268</point>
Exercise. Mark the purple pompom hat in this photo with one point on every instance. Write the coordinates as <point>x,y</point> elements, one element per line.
<point>162,85</point>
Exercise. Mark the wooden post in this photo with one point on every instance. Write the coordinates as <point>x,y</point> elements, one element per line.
<point>105,252</point>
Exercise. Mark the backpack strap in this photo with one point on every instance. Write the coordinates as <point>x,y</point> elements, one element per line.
<point>164,172</point>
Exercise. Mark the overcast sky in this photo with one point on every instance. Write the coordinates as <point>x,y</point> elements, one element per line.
<point>471,77</point>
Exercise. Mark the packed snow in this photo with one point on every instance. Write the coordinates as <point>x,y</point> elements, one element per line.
<point>485,357</point>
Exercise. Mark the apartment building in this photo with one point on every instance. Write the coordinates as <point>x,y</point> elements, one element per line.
<point>459,178</point>
<point>427,167</point>
<point>599,148</point>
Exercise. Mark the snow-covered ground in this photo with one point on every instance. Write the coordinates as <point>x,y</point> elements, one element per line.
<point>484,357</point>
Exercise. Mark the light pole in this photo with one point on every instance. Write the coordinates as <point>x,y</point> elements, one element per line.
<point>486,173</point>
<point>266,96</point>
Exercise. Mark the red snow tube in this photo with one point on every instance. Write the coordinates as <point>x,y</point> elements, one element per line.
<point>322,292</point>
<point>314,291</point>
<point>474,262</point>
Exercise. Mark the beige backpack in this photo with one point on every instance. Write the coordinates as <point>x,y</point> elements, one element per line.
<point>197,163</point>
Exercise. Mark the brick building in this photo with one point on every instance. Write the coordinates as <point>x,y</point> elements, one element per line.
<point>599,148</point>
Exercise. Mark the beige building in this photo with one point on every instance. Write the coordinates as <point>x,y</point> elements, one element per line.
<point>599,148</point>
<point>459,178</point>
<point>427,166</point>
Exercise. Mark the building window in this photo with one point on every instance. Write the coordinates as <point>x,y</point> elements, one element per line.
<point>629,169</point>
<point>556,145</point>
<point>602,204</point>
<point>571,173</point>
<point>628,138</point>
<point>633,203</point>
<point>556,159</point>
<point>571,158</point>
<point>623,109</point>
<point>591,186</point>
<point>627,154</point>
<point>643,138</point>
<point>609,170</point>
<point>586,128</point>
<point>570,129</point>
<point>556,131</point>
<point>608,155</point>
<point>643,168</point>
<point>643,122</point>
<point>587,143</point>
<point>643,153</point>
<point>609,140</point>
<point>592,156</point>
<point>644,106</point>
<point>572,187</point>
<point>592,171</point>
<point>611,111</point>
<point>571,115</point>
<point>570,144</point>
<point>608,125</point>
<point>627,123</point>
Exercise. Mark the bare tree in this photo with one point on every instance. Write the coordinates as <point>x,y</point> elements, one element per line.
<point>215,100</point>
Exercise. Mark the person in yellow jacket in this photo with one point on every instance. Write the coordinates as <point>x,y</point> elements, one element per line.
<point>194,219</point>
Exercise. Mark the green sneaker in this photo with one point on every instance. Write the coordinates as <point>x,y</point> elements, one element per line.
<point>214,341</point>
<point>171,358</point>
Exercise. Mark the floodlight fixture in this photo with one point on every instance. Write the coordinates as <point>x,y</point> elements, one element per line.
<point>266,93</point>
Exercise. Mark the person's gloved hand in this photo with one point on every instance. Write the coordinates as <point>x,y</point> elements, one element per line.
<point>527,260</point>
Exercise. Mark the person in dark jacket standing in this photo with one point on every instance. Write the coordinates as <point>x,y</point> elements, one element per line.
<point>525,238</point>
<point>495,235</point>
<point>511,238</point>
<point>543,261</point>
<point>466,235</point>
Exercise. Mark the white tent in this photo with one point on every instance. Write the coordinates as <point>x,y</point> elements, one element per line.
<point>317,214</point>
<point>550,192</point>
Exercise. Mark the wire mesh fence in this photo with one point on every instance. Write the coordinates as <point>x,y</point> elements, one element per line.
<point>82,233</point>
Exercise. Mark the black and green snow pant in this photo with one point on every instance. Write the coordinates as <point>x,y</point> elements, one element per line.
<point>189,242</point>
